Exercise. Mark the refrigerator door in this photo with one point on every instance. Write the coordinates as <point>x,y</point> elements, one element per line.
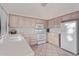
<point>69,37</point>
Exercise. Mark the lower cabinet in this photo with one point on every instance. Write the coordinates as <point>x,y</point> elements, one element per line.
<point>30,38</point>
<point>53,38</point>
<point>33,39</point>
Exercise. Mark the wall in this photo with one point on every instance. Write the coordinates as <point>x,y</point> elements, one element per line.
<point>26,26</point>
<point>4,22</point>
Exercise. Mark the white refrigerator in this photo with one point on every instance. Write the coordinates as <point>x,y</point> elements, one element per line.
<point>70,36</point>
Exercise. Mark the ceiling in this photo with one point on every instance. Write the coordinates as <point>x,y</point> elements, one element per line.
<point>48,11</point>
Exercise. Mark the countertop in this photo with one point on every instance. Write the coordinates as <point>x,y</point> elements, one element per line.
<point>17,47</point>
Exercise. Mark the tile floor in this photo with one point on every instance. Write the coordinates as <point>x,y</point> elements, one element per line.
<point>48,49</point>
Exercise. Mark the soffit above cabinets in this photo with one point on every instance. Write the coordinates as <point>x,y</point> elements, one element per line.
<point>47,11</point>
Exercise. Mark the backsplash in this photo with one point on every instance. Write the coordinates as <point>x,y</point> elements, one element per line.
<point>55,30</point>
<point>24,30</point>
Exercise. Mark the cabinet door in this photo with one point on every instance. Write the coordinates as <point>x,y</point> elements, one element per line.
<point>49,24</point>
<point>33,23</point>
<point>26,37</point>
<point>33,39</point>
<point>39,21</point>
<point>20,21</point>
<point>67,17</point>
<point>29,23</point>
<point>40,24</point>
<point>75,15</point>
<point>30,38</point>
<point>45,24</point>
<point>53,38</point>
<point>13,21</point>
<point>58,22</point>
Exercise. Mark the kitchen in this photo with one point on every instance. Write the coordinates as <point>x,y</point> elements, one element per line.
<point>42,34</point>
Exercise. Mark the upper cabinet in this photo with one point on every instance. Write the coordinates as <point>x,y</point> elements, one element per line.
<point>13,21</point>
<point>46,23</point>
<point>43,22</point>
<point>51,23</point>
<point>54,22</point>
<point>20,21</point>
<point>66,17</point>
<point>57,22</point>
<point>75,15</point>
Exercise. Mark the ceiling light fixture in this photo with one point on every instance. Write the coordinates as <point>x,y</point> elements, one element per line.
<point>44,4</point>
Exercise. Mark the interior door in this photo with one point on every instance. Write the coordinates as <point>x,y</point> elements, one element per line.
<point>68,36</point>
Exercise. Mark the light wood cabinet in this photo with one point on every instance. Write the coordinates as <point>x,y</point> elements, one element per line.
<point>33,23</point>
<point>38,21</point>
<point>58,22</point>
<point>51,23</point>
<point>45,23</point>
<point>66,17</point>
<point>27,23</point>
<point>53,38</point>
<point>13,21</point>
<point>75,15</point>
<point>33,39</point>
<point>30,38</point>
<point>26,37</point>
<point>20,22</point>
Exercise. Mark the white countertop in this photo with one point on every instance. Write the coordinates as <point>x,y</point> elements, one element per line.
<point>17,47</point>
